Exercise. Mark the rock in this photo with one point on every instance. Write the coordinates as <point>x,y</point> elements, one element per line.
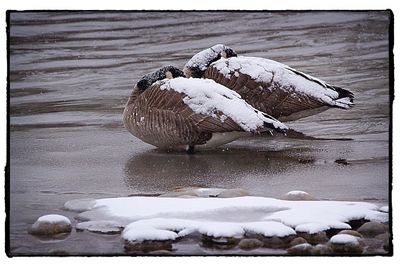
<point>219,242</point>
<point>58,252</point>
<point>250,243</point>
<point>297,241</point>
<point>273,242</point>
<point>315,238</point>
<point>299,196</point>
<point>49,225</point>
<point>300,249</point>
<point>350,232</point>
<point>160,253</point>
<point>321,249</point>
<point>148,245</point>
<point>372,229</point>
<point>346,244</point>
<point>385,237</point>
<point>230,193</point>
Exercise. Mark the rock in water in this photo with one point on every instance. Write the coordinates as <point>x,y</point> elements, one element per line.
<point>299,196</point>
<point>346,244</point>
<point>148,245</point>
<point>49,225</point>
<point>297,241</point>
<point>300,249</point>
<point>314,238</point>
<point>371,229</point>
<point>219,242</point>
<point>385,237</point>
<point>321,249</point>
<point>250,243</point>
<point>350,232</point>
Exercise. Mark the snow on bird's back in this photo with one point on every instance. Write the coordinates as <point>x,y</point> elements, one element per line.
<point>266,71</point>
<point>205,96</point>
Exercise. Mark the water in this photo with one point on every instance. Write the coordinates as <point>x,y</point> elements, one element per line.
<point>71,73</point>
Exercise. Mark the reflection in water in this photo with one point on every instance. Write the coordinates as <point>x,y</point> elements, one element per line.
<point>159,171</point>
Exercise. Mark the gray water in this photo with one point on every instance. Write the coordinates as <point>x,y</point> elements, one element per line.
<point>71,73</point>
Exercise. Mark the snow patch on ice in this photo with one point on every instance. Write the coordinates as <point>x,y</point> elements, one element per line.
<point>344,239</point>
<point>205,96</point>
<point>384,209</point>
<point>312,228</point>
<point>167,218</point>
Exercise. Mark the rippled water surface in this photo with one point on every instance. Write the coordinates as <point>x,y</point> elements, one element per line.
<point>71,73</point>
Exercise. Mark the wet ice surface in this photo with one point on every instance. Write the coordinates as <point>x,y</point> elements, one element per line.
<point>71,74</point>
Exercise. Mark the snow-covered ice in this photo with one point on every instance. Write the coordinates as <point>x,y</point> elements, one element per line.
<point>384,209</point>
<point>207,97</point>
<point>312,228</point>
<point>161,218</point>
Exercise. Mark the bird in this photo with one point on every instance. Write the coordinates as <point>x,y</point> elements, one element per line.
<point>269,86</point>
<point>172,112</point>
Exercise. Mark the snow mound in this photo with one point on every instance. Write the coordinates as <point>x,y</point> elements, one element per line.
<point>167,218</point>
<point>53,219</point>
<point>344,239</point>
<point>170,229</point>
<point>312,228</point>
<point>205,96</point>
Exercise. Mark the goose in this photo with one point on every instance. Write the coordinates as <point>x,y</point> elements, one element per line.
<point>269,86</point>
<point>169,111</point>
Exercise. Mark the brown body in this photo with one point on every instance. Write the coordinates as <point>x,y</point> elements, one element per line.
<point>161,118</point>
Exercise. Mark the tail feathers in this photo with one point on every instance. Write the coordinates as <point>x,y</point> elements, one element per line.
<point>272,123</point>
<point>345,98</point>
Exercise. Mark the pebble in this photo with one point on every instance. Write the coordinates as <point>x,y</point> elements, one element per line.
<point>315,238</point>
<point>350,232</point>
<point>299,196</point>
<point>231,193</point>
<point>160,252</point>
<point>250,243</point>
<point>274,242</point>
<point>297,241</point>
<point>372,229</point>
<point>300,249</point>
<point>148,245</point>
<point>349,245</point>
<point>321,249</point>
<point>219,242</point>
<point>49,225</point>
<point>385,239</point>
